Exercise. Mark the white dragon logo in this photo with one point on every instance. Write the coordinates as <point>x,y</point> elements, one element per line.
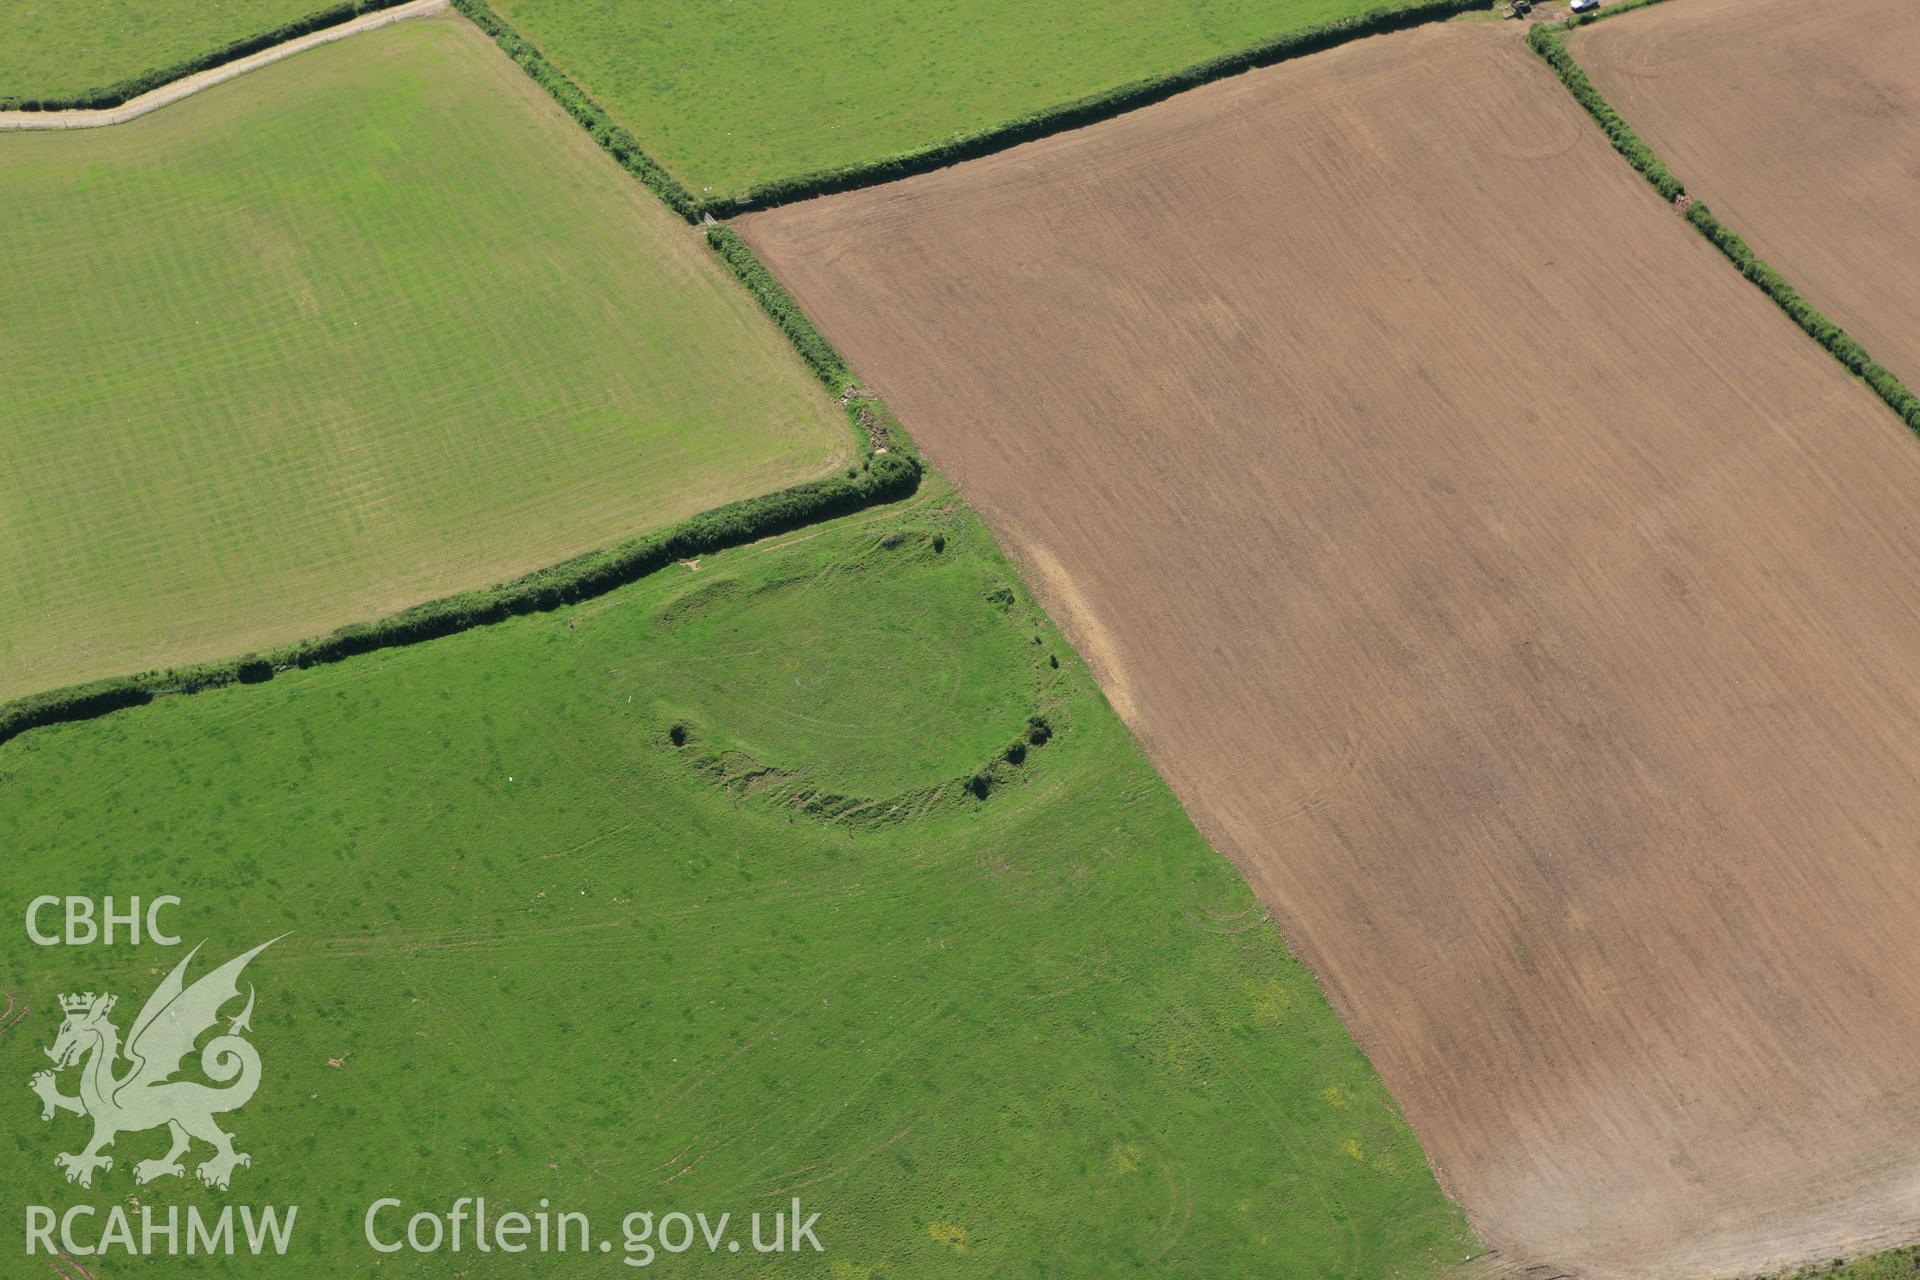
<point>146,1095</point>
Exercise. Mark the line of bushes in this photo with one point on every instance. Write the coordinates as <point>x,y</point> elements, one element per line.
<point>626,149</point>
<point>887,474</point>
<point>1550,44</point>
<point>1817,326</point>
<point>1089,109</point>
<point>1069,115</point>
<point>617,142</point>
<point>873,422</point>
<point>779,304</point>
<point>880,479</point>
<point>124,91</point>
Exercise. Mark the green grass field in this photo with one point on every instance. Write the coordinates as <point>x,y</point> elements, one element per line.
<point>1897,1264</point>
<point>729,95</point>
<point>364,327</point>
<point>60,48</point>
<point>1043,1033</point>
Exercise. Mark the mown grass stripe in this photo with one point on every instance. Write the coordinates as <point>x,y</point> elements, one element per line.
<point>878,476</point>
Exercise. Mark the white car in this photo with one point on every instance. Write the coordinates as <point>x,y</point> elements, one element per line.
<point>1583,6</point>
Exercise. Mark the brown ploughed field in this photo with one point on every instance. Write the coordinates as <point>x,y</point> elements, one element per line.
<point>1512,591</point>
<point>1800,124</point>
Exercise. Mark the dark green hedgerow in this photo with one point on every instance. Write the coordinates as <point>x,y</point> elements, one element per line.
<point>1069,115</point>
<point>1094,107</point>
<point>883,478</point>
<point>620,144</point>
<point>75,702</point>
<point>1547,41</point>
<point>778,303</point>
<point>124,91</point>
<point>889,470</point>
<point>1824,331</point>
<point>598,572</point>
<point>878,428</point>
<point>1550,43</point>
<point>888,473</point>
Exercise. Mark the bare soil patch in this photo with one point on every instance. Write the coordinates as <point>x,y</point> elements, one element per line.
<point>1800,125</point>
<point>1502,582</point>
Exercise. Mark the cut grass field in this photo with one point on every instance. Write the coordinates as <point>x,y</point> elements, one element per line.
<point>1513,606</point>
<point>730,95</point>
<point>364,327</point>
<point>1045,1033</point>
<point>55,49</point>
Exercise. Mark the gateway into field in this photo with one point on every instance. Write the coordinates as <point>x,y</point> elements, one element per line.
<point>1564,706</point>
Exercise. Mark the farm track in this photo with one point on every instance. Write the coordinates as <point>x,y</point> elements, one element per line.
<point>1819,173</point>
<point>186,86</point>
<point>1510,606</point>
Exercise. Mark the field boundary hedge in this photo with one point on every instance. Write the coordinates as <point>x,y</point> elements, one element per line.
<point>1090,108</point>
<point>613,138</point>
<point>1549,41</point>
<point>883,478</point>
<point>970,146</point>
<point>121,92</point>
<point>889,469</point>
